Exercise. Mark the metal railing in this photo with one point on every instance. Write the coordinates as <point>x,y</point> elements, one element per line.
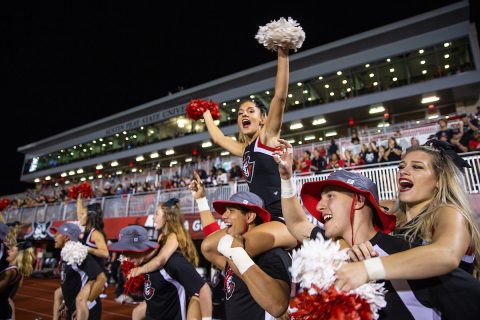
<point>145,203</point>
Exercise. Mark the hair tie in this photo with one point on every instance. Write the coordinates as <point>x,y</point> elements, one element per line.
<point>171,202</point>
<point>448,149</point>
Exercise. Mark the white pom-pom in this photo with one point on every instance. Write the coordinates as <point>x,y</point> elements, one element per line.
<point>282,33</point>
<point>316,263</point>
<point>74,252</point>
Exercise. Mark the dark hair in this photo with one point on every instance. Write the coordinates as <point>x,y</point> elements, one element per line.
<point>95,218</point>
<point>260,105</point>
<point>171,202</point>
<point>244,210</point>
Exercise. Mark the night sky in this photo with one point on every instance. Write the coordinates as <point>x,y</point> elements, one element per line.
<point>68,63</point>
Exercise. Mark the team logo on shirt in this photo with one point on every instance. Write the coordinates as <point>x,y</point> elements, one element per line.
<point>229,284</point>
<point>148,290</point>
<point>248,167</point>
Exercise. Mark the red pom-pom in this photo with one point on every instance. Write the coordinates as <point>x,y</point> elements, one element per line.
<point>73,192</point>
<point>214,111</point>
<point>4,203</point>
<point>196,108</point>
<point>132,285</point>
<point>85,189</point>
<point>330,304</point>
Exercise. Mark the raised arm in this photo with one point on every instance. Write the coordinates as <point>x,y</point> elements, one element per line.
<point>449,243</point>
<point>209,244</point>
<point>234,147</point>
<point>274,120</point>
<point>295,218</point>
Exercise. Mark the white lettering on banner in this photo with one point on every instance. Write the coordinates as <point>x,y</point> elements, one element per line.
<point>151,118</point>
<point>196,226</point>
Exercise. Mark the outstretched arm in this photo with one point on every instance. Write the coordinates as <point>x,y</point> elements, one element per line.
<point>277,105</point>
<point>234,147</point>
<point>450,242</point>
<point>296,220</point>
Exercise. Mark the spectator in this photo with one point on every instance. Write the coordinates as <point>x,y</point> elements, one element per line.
<point>332,149</point>
<point>335,163</point>
<point>319,163</point>
<point>474,143</point>
<point>371,155</point>
<point>394,151</point>
<point>222,177</point>
<point>444,133</point>
<point>413,143</point>
<point>305,163</point>
<point>381,154</point>
<point>470,125</point>
<point>235,172</point>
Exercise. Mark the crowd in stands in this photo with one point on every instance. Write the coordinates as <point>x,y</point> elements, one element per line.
<point>461,130</point>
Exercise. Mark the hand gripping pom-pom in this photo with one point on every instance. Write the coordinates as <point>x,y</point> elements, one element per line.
<point>313,268</point>
<point>197,107</point>
<point>287,34</point>
<point>134,284</point>
<point>85,189</point>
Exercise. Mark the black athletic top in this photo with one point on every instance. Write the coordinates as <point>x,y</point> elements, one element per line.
<point>260,171</point>
<point>73,278</point>
<point>455,295</point>
<point>239,304</point>
<point>87,240</point>
<point>166,290</point>
<point>5,309</point>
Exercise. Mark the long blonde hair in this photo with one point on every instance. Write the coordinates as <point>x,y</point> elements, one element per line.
<point>451,193</point>
<point>24,261</point>
<point>174,225</point>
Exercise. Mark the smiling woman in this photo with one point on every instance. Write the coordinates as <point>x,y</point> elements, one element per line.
<point>433,214</point>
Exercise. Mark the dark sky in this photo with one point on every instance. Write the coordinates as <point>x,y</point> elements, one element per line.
<point>68,63</point>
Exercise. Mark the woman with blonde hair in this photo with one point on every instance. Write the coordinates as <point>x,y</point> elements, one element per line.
<point>433,213</point>
<point>173,237</point>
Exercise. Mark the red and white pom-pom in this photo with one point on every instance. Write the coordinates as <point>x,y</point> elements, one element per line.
<point>73,192</point>
<point>313,268</point>
<point>74,252</point>
<point>283,33</point>
<point>195,109</point>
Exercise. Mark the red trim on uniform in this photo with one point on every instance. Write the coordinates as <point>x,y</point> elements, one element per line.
<point>261,145</point>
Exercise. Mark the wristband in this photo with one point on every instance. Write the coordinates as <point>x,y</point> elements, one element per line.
<point>375,269</point>
<point>206,318</point>
<point>288,188</point>
<point>225,245</point>
<point>202,204</point>
<point>211,228</point>
<point>91,304</point>
<point>241,259</point>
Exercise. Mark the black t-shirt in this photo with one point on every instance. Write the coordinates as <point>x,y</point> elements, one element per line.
<point>370,157</point>
<point>73,278</point>
<point>319,163</point>
<point>260,171</point>
<point>455,295</point>
<point>239,303</point>
<point>166,290</point>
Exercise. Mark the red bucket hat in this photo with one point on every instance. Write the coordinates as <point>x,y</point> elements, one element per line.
<point>312,193</point>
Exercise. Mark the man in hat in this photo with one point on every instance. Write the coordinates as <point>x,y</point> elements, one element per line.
<point>165,290</point>
<point>254,288</point>
<point>346,203</point>
<point>74,276</point>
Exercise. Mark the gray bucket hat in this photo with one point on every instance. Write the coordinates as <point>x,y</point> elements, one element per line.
<point>3,231</point>
<point>68,229</point>
<point>133,239</point>
<point>246,199</point>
